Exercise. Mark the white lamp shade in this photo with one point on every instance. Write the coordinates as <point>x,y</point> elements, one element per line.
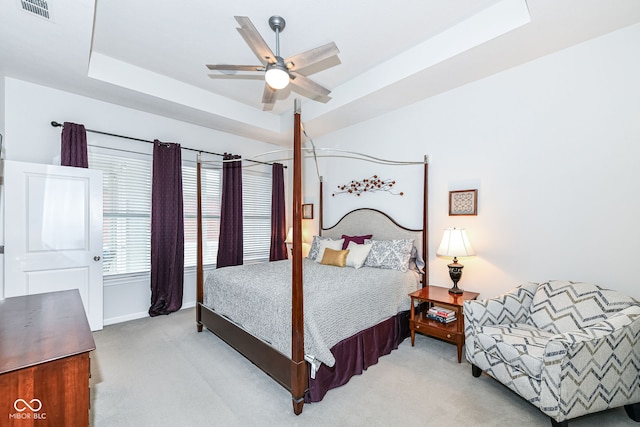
<point>289,238</point>
<point>455,243</point>
<point>276,77</point>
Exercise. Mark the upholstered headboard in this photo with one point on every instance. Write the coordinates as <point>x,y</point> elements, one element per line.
<point>371,221</point>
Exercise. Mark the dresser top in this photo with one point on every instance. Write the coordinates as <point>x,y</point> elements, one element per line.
<point>41,328</point>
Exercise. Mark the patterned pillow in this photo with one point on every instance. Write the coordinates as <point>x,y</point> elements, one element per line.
<point>416,262</point>
<point>416,258</point>
<point>390,254</point>
<point>315,246</point>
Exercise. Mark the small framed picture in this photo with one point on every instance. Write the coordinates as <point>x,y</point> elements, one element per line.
<point>463,202</point>
<point>307,211</point>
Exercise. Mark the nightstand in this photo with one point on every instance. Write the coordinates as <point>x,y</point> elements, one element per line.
<point>434,295</point>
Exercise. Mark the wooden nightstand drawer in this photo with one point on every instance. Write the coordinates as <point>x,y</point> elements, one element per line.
<point>435,329</point>
<point>437,332</point>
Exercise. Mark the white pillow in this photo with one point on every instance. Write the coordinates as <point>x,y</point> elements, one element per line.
<point>357,254</point>
<point>313,252</point>
<point>332,244</point>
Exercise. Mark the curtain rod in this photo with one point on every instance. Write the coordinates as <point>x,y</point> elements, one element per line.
<point>56,124</point>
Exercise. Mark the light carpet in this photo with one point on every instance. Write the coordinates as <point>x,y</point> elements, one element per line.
<point>161,372</point>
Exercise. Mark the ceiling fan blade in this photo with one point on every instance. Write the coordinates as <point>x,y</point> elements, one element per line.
<point>310,57</point>
<point>222,75</point>
<point>255,41</point>
<point>223,67</point>
<point>319,93</point>
<point>268,97</point>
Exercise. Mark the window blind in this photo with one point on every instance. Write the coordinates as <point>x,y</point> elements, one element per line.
<point>126,212</point>
<point>211,196</point>
<point>256,212</point>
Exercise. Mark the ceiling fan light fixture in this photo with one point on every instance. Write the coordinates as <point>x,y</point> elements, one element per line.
<point>277,76</point>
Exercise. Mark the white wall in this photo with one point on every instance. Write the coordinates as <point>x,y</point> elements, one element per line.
<point>2,109</point>
<point>2,115</point>
<point>2,132</point>
<point>30,138</point>
<point>553,148</point>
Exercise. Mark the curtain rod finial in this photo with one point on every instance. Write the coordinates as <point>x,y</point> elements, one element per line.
<point>55,124</point>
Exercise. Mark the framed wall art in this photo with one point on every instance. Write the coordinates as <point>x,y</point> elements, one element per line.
<point>463,202</point>
<point>307,211</point>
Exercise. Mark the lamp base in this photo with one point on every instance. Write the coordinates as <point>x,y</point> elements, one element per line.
<point>455,272</point>
<point>456,290</point>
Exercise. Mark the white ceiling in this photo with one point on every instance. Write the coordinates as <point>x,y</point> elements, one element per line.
<point>151,55</point>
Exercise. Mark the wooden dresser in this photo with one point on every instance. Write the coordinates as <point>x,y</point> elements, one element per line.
<point>45,342</point>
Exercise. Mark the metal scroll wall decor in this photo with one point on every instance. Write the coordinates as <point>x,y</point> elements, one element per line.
<point>368,185</point>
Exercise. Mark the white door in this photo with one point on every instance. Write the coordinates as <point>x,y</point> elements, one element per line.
<point>53,233</point>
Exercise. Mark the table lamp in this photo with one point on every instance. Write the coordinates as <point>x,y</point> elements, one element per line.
<point>289,239</point>
<point>455,243</point>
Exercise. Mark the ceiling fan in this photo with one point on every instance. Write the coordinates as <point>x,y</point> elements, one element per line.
<point>280,72</point>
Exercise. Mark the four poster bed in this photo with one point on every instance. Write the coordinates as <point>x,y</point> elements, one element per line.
<point>350,317</point>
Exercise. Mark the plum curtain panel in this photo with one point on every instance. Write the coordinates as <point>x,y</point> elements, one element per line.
<point>73,147</point>
<point>278,250</point>
<point>230,247</point>
<point>167,229</point>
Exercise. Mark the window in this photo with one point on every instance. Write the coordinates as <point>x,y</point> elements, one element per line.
<point>127,212</point>
<point>256,212</point>
<point>211,196</point>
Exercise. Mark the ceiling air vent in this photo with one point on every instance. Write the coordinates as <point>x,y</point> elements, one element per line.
<point>37,7</point>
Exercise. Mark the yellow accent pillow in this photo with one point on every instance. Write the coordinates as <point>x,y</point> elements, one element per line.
<point>334,257</point>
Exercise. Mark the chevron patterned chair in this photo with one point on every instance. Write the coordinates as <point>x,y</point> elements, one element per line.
<point>568,348</point>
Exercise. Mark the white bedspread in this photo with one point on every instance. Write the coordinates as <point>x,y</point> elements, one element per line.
<point>338,302</point>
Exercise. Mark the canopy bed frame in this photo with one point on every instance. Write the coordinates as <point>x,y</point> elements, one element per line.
<point>292,372</point>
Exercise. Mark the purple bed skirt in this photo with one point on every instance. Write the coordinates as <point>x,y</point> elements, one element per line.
<point>356,353</point>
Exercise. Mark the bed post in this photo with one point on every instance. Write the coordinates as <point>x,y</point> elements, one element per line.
<point>425,223</point>
<point>199,260</point>
<point>298,364</point>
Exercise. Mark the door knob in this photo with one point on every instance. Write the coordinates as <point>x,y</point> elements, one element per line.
<point>96,258</point>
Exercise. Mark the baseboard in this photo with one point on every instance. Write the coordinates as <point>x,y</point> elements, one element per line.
<point>140,315</point>
<point>120,319</point>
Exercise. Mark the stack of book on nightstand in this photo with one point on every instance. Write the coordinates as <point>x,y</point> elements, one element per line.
<point>441,314</point>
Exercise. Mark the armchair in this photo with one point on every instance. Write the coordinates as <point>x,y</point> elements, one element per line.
<point>568,348</point>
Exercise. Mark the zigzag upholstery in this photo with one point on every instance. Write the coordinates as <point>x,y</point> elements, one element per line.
<point>568,348</point>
